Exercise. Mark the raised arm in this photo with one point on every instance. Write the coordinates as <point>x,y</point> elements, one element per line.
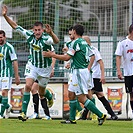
<point>10,22</point>
<point>49,30</point>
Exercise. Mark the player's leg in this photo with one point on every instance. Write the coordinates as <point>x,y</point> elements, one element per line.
<point>106,104</point>
<point>99,93</point>
<point>26,98</point>
<point>49,96</point>
<point>6,85</point>
<point>35,99</point>
<point>128,87</point>
<point>42,86</point>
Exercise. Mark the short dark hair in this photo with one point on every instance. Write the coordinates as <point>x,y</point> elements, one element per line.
<point>130,28</point>
<point>79,29</point>
<point>3,32</point>
<point>70,28</point>
<point>38,24</point>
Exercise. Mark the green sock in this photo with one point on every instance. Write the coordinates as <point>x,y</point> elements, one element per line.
<point>4,105</point>
<point>72,105</point>
<point>48,95</point>
<point>26,99</point>
<point>79,108</point>
<point>91,106</point>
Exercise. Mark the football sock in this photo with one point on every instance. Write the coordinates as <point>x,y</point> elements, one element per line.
<point>93,100</point>
<point>85,113</point>
<point>4,105</point>
<point>106,105</point>
<point>26,99</point>
<point>73,107</point>
<point>47,94</point>
<point>91,106</point>
<point>45,106</point>
<point>79,108</point>
<point>36,102</point>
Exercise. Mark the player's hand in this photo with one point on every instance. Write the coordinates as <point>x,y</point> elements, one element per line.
<point>52,73</point>
<point>119,74</point>
<point>47,54</point>
<point>48,29</point>
<point>67,65</point>
<point>102,80</point>
<point>65,49</point>
<point>17,80</point>
<point>4,10</point>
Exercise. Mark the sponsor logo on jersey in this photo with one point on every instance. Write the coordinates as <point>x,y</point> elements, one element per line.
<point>1,56</point>
<point>36,47</point>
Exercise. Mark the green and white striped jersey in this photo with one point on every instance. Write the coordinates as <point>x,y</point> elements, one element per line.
<point>37,47</point>
<point>80,52</point>
<point>7,55</point>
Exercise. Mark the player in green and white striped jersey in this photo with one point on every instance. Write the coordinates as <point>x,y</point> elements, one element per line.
<point>7,58</point>
<point>79,52</point>
<point>40,67</point>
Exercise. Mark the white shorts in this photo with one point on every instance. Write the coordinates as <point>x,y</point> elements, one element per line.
<point>40,74</point>
<point>82,81</point>
<point>5,83</point>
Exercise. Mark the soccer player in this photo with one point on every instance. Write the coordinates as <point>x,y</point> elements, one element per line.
<point>98,79</point>
<point>40,67</point>
<point>79,52</point>
<point>7,59</point>
<point>125,49</point>
<point>71,93</point>
<point>48,95</point>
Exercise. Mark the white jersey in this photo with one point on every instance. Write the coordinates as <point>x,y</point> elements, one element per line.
<point>96,71</point>
<point>125,49</point>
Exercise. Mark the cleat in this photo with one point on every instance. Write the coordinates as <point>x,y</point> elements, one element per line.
<point>94,117</point>
<point>34,116</point>
<point>114,117</point>
<point>79,114</point>
<point>47,118</point>
<point>50,103</point>
<point>22,117</point>
<point>7,113</point>
<point>69,122</point>
<point>101,120</point>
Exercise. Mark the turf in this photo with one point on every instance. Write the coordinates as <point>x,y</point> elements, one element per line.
<point>54,126</point>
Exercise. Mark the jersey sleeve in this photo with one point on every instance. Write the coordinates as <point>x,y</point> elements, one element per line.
<point>49,41</point>
<point>119,49</point>
<point>24,32</point>
<point>12,53</point>
<point>97,54</point>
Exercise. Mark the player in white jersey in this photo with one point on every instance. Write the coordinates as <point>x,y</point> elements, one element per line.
<point>7,58</point>
<point>80,52</point>
<point>98,80</point>
<point>40,67</point>
<point>125,49</point>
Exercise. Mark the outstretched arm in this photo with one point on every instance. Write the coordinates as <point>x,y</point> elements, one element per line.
<point>10,22</point>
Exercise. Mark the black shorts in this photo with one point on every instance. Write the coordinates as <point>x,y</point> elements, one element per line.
<point>128,83</point>
<point>97,85</point>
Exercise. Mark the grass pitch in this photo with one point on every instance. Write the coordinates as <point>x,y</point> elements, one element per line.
<point>54,126</point>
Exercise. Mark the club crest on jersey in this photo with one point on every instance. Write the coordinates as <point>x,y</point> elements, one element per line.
<point>36,47</point>
<point>1,56</point>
